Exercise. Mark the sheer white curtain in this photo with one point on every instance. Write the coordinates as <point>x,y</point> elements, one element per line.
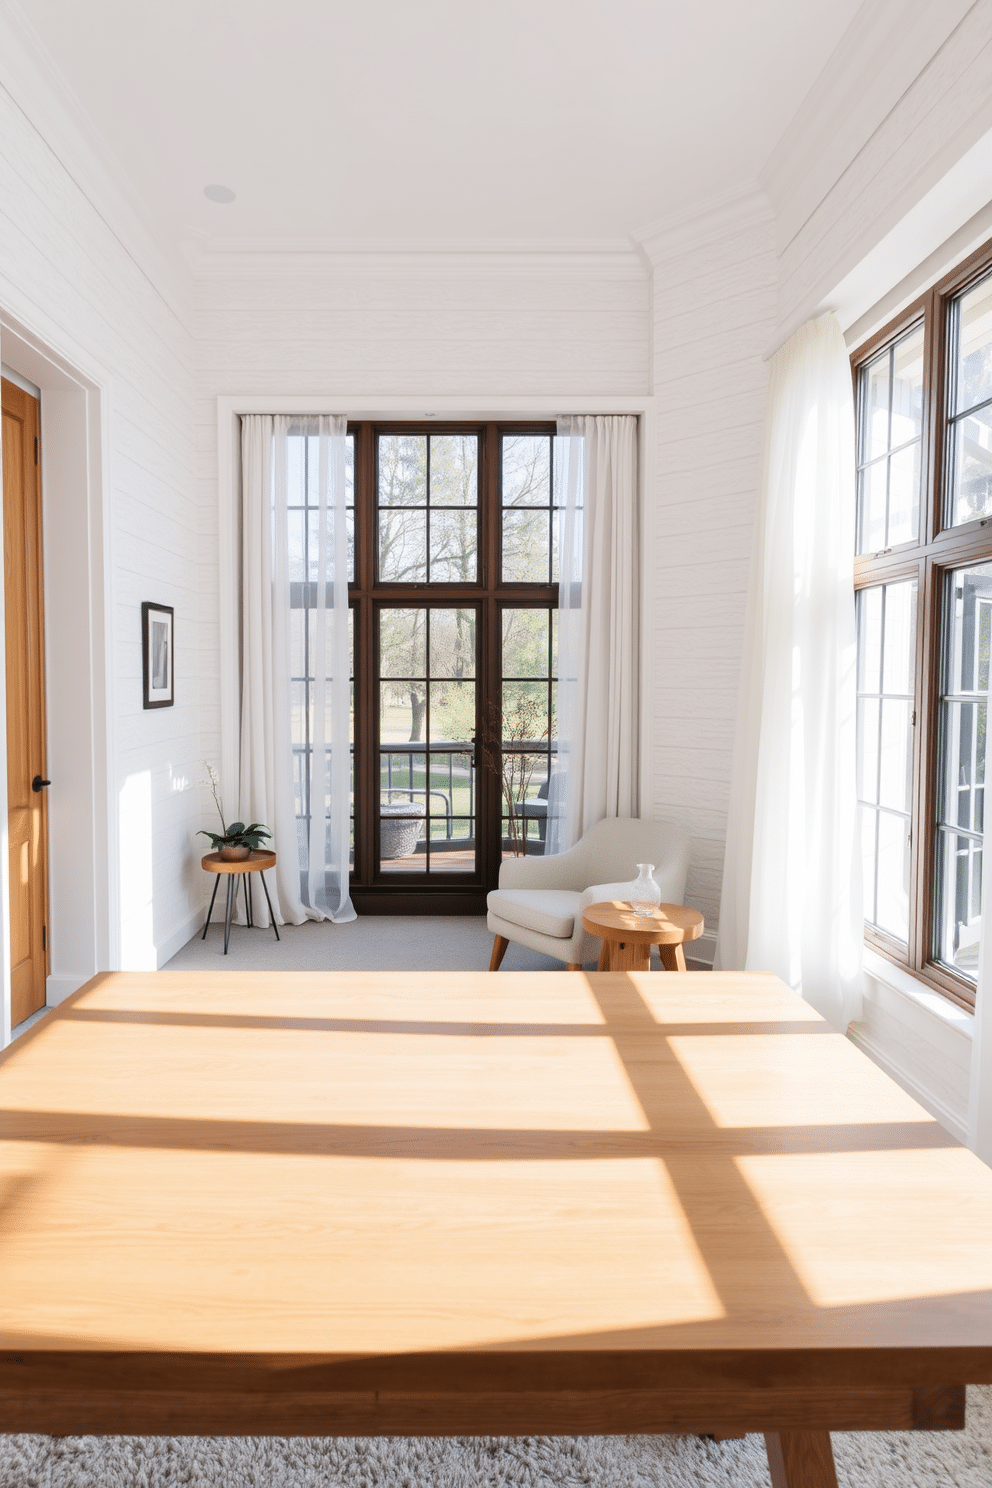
<point>295,599</point>
<point>598,627</point>
<point>792,873</point>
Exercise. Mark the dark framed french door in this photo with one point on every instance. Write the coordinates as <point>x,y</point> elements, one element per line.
<point>452,599</point>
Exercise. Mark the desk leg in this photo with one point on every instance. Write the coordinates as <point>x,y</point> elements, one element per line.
<point>210,911</point>
<point>230,906</point>
<point>672,957</point>
<point>269,903</point>
<point>800,1459</point>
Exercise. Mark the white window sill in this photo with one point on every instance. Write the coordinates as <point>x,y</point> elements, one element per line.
<point>922,999</point>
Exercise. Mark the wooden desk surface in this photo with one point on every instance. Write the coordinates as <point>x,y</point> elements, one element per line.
<point>235,1200</point>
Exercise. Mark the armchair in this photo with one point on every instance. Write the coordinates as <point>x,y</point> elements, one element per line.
<point>540,900</point>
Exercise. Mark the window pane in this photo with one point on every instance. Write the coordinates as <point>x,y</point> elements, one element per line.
<point>966,626</point>
<point>963,781</point>
<point>891,411</point>
<point>907,389</point>
<point>895,775</point>
<point>869,860</point>
<point>452,643</point>
<point>402,643</point>
<point>526,643</point>
<point>454,470</point>
<point>899,666</point>
<point>886,626</point>
<point>402,469</point>
<point>525,712</point>
<point>452,712</point>
<point>454,541</point>
<point>402,711</point>
<point>892,912</point>
<point>402,546</point>
<point>526,470</point>
<point>869,719</point>
<point>968,596</point>
<point>959,901</point>
<point>904,495</point>
<point>869,622</point>
<point>873,495</point>
<point>971,319</point>
<point>295,531</point>
<point>297,655</point>
<point>971,467</point>
<point>526,555</point>
<point>875,429</point>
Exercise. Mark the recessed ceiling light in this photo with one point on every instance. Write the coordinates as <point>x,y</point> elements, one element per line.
<point>219,194</point>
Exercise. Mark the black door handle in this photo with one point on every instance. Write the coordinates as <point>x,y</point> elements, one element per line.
<point>38,784</point>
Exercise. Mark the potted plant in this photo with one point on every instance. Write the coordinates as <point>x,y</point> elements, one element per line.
<point>237,841</point>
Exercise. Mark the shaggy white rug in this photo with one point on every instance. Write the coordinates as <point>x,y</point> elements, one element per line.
<point>864,1460</point>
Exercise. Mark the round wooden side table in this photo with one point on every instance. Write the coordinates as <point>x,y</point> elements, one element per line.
<point>255,862</point>
<point>628,937</point>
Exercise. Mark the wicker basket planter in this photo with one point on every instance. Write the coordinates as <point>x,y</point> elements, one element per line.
<point>400,824</point>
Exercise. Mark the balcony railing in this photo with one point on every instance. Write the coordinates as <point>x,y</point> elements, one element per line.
<point>403,774</point>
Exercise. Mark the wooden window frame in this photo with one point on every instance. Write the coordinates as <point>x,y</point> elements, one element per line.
<point>939,549</point>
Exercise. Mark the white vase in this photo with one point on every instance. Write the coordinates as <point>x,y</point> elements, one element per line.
<point>645,895</point>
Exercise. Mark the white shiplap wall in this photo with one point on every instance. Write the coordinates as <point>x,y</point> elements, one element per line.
<point>70,280</point>
<point>940,114</point>
<point>714,309</point>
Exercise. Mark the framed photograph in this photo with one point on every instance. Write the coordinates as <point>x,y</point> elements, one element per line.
<point>157,655</point>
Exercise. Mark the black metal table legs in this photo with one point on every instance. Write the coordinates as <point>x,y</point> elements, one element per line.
<point>232,893</point>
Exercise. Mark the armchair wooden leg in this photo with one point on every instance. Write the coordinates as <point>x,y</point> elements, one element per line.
<point>500,944</point>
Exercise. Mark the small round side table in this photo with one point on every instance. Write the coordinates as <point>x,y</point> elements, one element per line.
<point>628,937</point>
<point>256,862</point>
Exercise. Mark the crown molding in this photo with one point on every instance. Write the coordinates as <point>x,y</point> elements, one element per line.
<point>212,258</point>
<point>888,44</point>
<point>29,74</point>
<point>712,220</point>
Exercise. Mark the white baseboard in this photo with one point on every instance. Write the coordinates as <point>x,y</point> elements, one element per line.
<point>61,986</point>
<point>861,1035</point>
<point>175,942</point>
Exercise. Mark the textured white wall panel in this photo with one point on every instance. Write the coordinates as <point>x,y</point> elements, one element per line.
<point>714,309</point>
<point>67,277</point>
<point>939,116</point>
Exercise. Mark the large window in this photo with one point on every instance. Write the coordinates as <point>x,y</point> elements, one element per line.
<point>923,574</point>
<point>453,596</point>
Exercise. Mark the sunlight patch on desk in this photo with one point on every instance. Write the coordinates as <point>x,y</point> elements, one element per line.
<point>780,1080</point>
<point>862,1227</point>
<point>350,1078</point>
<point>385,1256</point>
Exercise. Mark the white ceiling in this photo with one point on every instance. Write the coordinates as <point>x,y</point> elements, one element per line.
<point>442,121</point>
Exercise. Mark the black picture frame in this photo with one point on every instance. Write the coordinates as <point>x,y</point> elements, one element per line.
<point>158,655</point>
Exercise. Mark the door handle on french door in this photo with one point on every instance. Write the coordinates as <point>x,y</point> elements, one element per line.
<point>38,784</point>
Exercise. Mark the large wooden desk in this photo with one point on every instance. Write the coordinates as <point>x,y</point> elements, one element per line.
<point>373,1203</point>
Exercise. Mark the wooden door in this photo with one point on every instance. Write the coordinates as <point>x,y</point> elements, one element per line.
<point>24,611</point>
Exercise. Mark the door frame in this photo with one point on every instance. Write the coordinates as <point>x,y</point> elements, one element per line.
<point>84,894</point>
<point>361,408</point>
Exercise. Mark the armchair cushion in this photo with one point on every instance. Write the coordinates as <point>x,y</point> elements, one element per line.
<point>548,911</point>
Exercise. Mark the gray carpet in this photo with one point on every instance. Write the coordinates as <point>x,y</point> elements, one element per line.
<point>370,943</point>
<point>864,1460</point>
